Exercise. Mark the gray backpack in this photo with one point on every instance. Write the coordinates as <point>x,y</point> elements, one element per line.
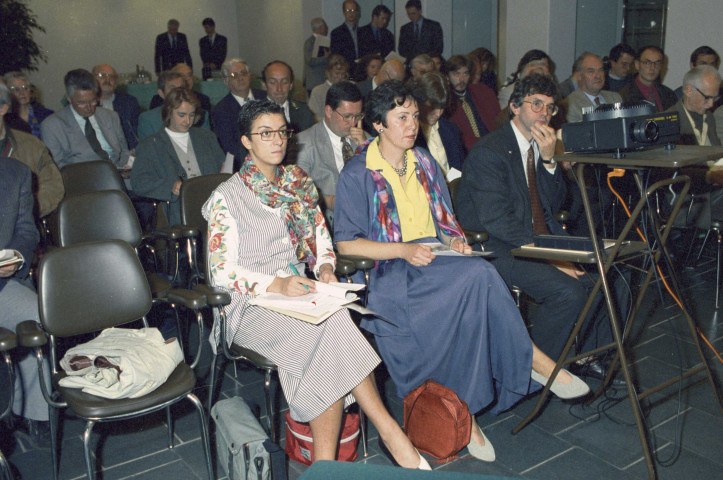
<point>243,448</point>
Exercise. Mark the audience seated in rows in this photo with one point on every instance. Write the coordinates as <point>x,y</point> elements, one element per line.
<point>126,106</point>
<point>646,85</point>
<point>337,69</point>
<point>26,115</point>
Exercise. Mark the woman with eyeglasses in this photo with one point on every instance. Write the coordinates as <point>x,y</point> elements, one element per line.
<point>265,226</point>
<point>455,321</point>
<point>175,153</point>
<point>25,115</point>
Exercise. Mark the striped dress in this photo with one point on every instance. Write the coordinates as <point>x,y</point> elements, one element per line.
<point>249,245</point>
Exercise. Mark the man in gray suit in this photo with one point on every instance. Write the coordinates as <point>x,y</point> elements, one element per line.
<point>591,77</point>
<point>315,62</point>
<point>81,132</point>
<point>17,297</point>
<point>325,148</point>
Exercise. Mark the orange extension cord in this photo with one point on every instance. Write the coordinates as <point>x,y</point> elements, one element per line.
<point>619,172</point>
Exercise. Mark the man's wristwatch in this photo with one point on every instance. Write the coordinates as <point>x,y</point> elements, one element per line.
<point>551,161</point>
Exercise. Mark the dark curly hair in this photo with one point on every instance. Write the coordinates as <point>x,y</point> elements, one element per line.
<point>532,85</point>
<point>387,96</point>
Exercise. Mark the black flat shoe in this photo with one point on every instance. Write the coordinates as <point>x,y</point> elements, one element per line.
<point>594,369</point>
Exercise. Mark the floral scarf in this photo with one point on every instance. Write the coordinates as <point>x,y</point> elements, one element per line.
<point>386,226</point>
<point>294,193</point>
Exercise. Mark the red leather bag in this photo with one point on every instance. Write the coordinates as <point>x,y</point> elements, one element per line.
<point>437,421</point>
<point>300,446</point>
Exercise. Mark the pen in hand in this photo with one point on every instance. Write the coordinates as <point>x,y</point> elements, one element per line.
<point>296,272</point>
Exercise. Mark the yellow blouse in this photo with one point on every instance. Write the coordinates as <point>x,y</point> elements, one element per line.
<point>415,217</point>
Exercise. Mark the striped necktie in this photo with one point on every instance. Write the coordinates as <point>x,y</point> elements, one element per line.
<point>470,116</point>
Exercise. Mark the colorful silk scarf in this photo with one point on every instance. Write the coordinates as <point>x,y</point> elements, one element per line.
<point>294,193</point>
<point>386,226</point>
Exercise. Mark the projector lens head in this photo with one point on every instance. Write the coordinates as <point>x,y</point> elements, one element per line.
<point>645,132</point>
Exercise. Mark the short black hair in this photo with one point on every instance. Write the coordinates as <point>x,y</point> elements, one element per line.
<point>379,9</point>
<point>531,56</point>
<point>387,96</point>
<point>252,110</point>
<point>291,70</point>
<point>79,79</point>
<point>534,84</point>
<point>343,91</point>
<point>413,3</point>
<point>456,62</point>
<point>649,47</point>
<point>208,21</point>
<point>617,51</point>
<point>704,50</point>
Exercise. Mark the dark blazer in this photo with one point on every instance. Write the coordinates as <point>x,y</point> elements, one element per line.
<point>430,39</point>
<point>157,167</point>
<point>166,57</point>
<point>343,44</point>
<point>485,101</point>
<point>157,101</point>
<point>215,53</point>
<point>365,87</point>
<point>687,137</point>
<point>451,140</point>
<point>300,116</point>
<point>17,225</point>
<point>631,93</point>
<point>368,42</point>
<point>13,120</point>
<point>126,106</point>
<point>493,194</point>
<point>224,123</point>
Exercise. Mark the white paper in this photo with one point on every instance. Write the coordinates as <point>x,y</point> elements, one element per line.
<point>452,174</point>
<point>444,251</point>
<point>320,42</point>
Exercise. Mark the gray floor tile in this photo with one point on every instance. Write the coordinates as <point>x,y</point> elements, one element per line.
<point>575,464</point>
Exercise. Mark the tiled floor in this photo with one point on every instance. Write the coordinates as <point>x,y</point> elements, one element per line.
<point>568,441</point>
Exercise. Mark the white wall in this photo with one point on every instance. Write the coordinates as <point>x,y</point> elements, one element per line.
<point>690,25</point>
<point>84,33</point>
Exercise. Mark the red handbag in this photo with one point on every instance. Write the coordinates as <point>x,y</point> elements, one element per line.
<point>300,446</point>
<point>437,421</point>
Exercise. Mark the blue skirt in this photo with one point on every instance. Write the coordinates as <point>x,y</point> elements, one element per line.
<point>456,323</point>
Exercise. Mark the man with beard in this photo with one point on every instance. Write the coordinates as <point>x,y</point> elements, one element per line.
<point>473,108</point>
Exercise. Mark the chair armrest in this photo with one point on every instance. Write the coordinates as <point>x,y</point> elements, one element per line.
<point>190,299</point>
<point>214,297</point>
<point>169,233</point>
<point>8,340</point>
<point>473,236</point>
<point>187,231</point>
<point>344,267</point>
<point>30,334</point>
<point>361,263</point>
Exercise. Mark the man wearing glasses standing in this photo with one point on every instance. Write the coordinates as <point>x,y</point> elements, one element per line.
<point>325,148</point>
<point>344,39</point>
<point>224,116</point>
<point>511,187</point>
<point>647,86</point>
<point>81,132</point>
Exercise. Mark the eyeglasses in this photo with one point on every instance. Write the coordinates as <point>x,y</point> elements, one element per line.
<point>268,135</point>
<point>350,116</point>
<point>648,63</point>
<point>351,10</point>
<point>537,105</point>
<point>20,88</point>
<point>90,103</point>
<point>240,74</point>
<point>103,75</point>
<point>708,98</point>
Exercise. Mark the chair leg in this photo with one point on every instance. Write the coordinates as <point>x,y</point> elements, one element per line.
<point>53,414</point>
<point>717,270</point>
<point>700,252</point>
<point>212,382</point>
<point>86,449</point>
<point>5,472</point>
<point>169,421</point>
<point>363,428</point>
<point>204,432</point>
<point>270,411</point>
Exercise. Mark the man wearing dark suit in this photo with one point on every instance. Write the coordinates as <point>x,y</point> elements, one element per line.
<point>473,108</point>
<point>647,86</point>
<point>345,37</point>
<point>278,79</point>
<point>126,106</point>
<point>186,72</point>
<point>171,48</point>
<point>375,38</point>
<point>325,148</point>
<point>420,35</point>
<point>703,55</point>
<point>591,77</point>
<point>510,188</point>
<point>213,48</point>
<point>17,297</point>
<point>451,141</point>
<point>224,116</point>
<point>81,132</point>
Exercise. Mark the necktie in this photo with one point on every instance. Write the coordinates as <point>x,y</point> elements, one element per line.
<point>377,36</point>
<point>173,43</point>
<point>597,101</point>
<point>470,116</point>
<point>416,31</point>
<point>538,214</point>
<point>346,151</point>
<point>93,140</point>
<point>210,40</point>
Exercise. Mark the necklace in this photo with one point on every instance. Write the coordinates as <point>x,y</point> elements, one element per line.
<point>399,171</point>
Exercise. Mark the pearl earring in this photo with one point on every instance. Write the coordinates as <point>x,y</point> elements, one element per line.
<point>381,130</point>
